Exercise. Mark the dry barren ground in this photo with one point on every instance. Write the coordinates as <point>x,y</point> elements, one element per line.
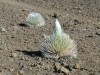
<point>19,45</point>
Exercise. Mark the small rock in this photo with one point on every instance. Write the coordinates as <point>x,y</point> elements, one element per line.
<point>47,17</point>
<point>47,67</point>
<point>65,70</point>
<point>30,68</point>
<point>16,27</point>
<point>40,59</point>
<point>98,27</point>
<point>0,71</point>
<point>71,23</point>
<point>98,32</point>
<point>64,64</point>
<point>11,69</point>
<point>14,55</point>
<point>24,9</point>
<point>38,66</point>
<point>55,15</point>
<point>61,68</point>
<point>90,35</point>
<point>21,64</point>
<point>25,66</point>
<point>77,66</point>
<point>58,66</point>
<point>22,58</point>
<point>70,67</point>
<point>2,29</point>
<point>21,72</point>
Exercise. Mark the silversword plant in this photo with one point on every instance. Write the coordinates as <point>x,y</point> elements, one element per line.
<point>34,19</point>
<point>58,44</point>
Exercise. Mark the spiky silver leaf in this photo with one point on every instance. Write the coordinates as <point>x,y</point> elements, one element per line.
<point>58,44</point>
<point>34,20</point>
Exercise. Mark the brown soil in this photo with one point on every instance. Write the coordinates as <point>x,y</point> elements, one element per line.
<point>19,45</point>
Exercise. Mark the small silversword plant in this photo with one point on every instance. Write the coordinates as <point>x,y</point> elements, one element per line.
<point>34,19</point>
<point>58,44</point>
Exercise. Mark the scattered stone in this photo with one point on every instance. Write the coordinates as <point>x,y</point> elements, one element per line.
<point>71,22</point>
<point>70,67</point>
<point>47,67</point>
<point>91,35</point>
<point>55,15</point>
<point>40,59</point>
<point>98,27</point>
<point>38,66</point>
<point>0,71</point>
<point>14,55</point>
<point>47,18</point>
<point>98,32</point>
<point>58,66</point>
<point>2,29</point>
<point>61,68</point>
<point>22,58</point>
<point>21,64</point>
<point>65,70</point>
<point>21,72</point>
<point>64,64</point>
<point>30,68</point>
<point>25,66</point>
<point>26,58</point>
<point>11,69</point>
<point>24,9</point>
<point>77,66</point>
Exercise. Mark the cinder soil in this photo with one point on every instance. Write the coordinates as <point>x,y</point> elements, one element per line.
<point>20,45</point>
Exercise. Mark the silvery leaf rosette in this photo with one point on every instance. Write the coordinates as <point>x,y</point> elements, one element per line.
<point>34,19</point>
<point>58,44</point>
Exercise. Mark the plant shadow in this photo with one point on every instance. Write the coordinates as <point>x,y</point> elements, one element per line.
<point>23,25</point>
<point>31,53</point>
